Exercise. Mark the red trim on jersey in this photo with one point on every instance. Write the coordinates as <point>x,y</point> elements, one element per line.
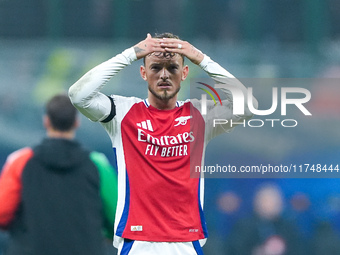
<point>10,184</point>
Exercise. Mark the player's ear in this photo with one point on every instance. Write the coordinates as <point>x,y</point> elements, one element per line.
<point>185,72</point>
<point>142,72</point>
<point>76,123</point>
<point>46,122</point>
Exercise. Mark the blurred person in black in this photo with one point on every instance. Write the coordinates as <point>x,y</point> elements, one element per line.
<point>266,232</point>
<point>58,198</point>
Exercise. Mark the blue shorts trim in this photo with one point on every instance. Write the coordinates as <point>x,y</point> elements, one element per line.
<point>126,246</point>
<point>197,247</point>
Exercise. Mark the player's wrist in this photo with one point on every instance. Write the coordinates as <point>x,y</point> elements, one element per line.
<point>138,52</point>
<point>130,54</point>
<point>205,61</point>
<point>198,58</point>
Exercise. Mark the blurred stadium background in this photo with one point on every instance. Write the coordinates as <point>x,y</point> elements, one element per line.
<point>45,46</point>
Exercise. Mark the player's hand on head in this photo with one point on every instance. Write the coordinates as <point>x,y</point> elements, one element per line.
<point>148,46</point>
<point>184,48</point>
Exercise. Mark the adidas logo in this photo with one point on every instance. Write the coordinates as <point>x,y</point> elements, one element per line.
<point>137,228</point>
<point>145,125</point>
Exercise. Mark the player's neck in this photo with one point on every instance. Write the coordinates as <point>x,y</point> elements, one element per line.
<point>60,134</point>
<point>162,104</point>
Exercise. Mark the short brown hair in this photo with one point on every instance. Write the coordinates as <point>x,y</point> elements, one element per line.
<point>61,112</point>
<point>166,35</point>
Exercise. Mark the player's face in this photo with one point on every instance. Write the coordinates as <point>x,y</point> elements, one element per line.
<point>164,75</point>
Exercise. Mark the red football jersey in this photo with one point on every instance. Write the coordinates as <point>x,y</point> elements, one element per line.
<point>157,149</point>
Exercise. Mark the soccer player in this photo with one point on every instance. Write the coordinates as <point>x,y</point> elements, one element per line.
<point>155,141</point>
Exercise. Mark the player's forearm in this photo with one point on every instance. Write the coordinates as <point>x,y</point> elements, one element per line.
<point>222,76</point>
<point>85,93</point>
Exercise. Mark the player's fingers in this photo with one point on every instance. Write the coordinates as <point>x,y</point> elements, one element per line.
<point>174,47</point>
<point>154,44</point>
<point>157,48</point>
<point>173,50</point>
<point>172,43</point>
<point>171,40</point>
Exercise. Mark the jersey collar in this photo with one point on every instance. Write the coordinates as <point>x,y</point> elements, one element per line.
<point>147,104</point>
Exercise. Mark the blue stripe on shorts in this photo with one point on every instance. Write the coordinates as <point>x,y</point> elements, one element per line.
<point>197,247</point>
<point>126,247</point>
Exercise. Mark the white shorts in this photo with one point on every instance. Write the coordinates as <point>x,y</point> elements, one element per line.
<point>131,247</point>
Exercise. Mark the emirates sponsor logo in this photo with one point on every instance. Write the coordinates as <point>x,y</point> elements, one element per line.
<point>186,137</point>
<point>166,145</point>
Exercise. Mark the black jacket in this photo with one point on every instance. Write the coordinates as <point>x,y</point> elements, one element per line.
<point>60,211</point>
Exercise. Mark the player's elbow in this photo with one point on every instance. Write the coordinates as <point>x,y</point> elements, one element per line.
<point>248,114</point>
<point>250,108</point>
<point>74,95</point>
